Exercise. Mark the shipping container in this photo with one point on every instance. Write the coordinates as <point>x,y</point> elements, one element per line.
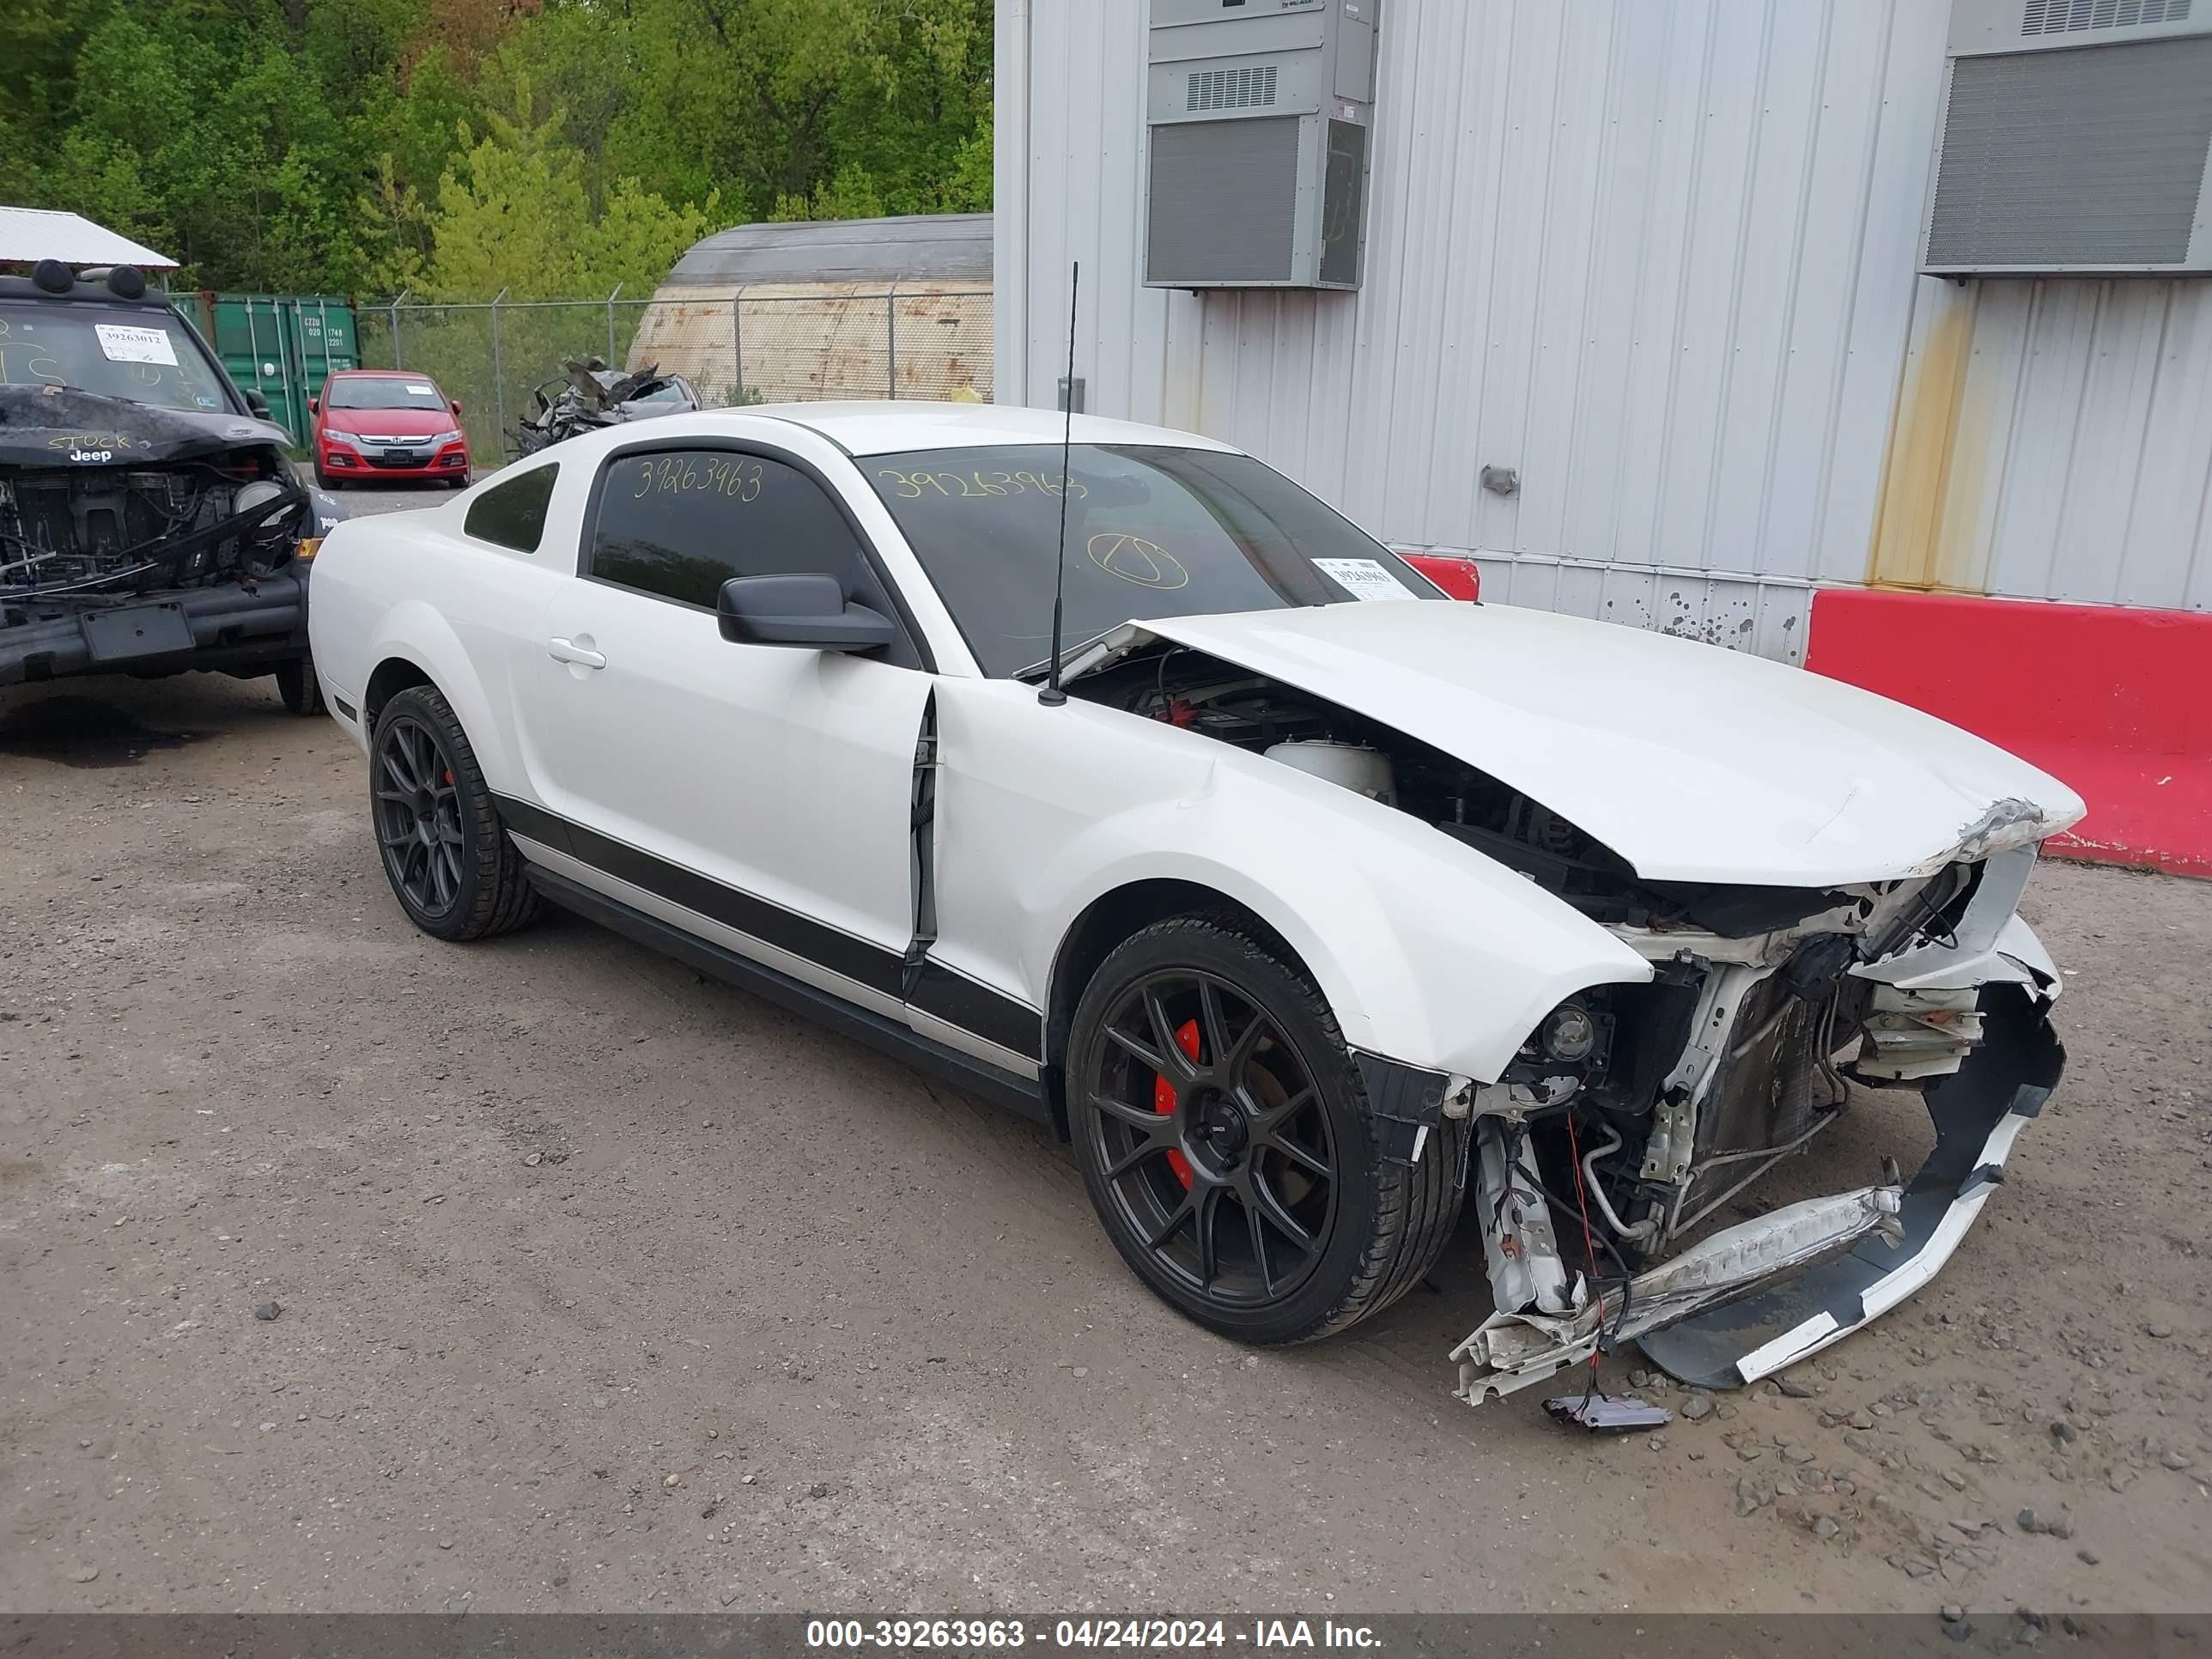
<point>281,345</point>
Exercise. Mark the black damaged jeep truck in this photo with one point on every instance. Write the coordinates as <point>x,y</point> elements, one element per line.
<point>149,522</point>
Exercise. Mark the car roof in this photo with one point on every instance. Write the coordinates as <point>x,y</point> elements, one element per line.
<point>888,426</point>
<point>382,374</point>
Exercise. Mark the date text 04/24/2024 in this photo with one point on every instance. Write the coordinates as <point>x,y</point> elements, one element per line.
<point>1254,1636</point>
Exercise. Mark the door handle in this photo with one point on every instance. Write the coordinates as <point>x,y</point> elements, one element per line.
<point>569,651</point>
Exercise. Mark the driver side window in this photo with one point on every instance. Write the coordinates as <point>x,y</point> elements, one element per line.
<point>677,524</point>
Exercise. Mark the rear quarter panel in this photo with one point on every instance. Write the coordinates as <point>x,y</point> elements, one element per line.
<point>414,586</point>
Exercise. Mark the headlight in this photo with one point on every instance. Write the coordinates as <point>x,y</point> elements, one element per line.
<point>263,492</point>
<point>1568,1033</point>
<point>344,440</point>
<point>445,437</point>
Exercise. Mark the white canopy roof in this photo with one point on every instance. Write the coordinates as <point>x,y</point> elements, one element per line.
<point>29,234</point>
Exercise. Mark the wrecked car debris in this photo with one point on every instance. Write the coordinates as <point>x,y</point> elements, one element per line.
<point>149,520</point>
<point>1607,1413</point>
<point>592,396</point>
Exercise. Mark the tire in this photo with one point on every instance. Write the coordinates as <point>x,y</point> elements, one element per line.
<point>323,480</point>
<point>445,851</point>
<point>297,685</point>
<point>1153,1141</point>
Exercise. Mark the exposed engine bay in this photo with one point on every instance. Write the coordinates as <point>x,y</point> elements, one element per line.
<point>1634,1113</point>
<point>109,532</point>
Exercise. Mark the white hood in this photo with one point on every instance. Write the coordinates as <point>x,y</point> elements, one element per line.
<point>1693,762</point>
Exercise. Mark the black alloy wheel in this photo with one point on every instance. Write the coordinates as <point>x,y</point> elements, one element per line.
<point>1217,1153</point>
<point>1226,1141</point>
<point>448,857</point>
<point>418,816</point>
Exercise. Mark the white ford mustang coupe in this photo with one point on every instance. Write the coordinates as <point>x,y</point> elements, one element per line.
<point>1318,905</point>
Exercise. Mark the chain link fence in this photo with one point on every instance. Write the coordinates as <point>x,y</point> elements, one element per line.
<point>780,343</point>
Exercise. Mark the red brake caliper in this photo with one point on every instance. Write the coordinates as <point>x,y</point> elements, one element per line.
<point>1164,1096</point>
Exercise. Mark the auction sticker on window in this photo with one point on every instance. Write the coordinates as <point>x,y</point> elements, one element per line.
<point>1364,578</point>
<point>120,343</point>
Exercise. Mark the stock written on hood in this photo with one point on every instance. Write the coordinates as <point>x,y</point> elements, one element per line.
<point>139,362</point>
<point>1151,532</point>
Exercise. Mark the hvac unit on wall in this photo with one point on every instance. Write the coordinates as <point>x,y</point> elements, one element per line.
<point>2076,139</point>
<point>1258,113</point>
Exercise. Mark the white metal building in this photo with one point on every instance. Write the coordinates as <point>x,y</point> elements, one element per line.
<point>30,234</point>
<point>1659,257</point>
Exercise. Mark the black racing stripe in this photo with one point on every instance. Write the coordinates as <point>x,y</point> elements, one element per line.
<point>873,965</point>
<point>527,818</point>
<point>953,998</point>
<point>958,1000</point>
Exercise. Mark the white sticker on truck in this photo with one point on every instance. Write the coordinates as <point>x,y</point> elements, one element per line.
<point>120,343</point>
<point>1365,579</point>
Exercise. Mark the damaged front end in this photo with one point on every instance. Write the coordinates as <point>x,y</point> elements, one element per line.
<point>1611,1149</point>
<point>141,538</point>
<point>1737,1055</point>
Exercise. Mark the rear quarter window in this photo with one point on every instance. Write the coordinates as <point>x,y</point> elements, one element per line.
<point>512,512</point>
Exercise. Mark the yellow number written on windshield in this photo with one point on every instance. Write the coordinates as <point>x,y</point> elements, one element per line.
<point>979,486</point>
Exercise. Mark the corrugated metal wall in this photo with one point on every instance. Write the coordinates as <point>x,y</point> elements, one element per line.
<point>2053,440</point>
<point>1659,258</point>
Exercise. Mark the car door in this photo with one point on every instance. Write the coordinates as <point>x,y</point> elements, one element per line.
<point>758,795</point>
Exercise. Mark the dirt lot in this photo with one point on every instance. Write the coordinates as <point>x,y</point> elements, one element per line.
<point>597,1287</point>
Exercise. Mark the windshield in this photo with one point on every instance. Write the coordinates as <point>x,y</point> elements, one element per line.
<point>384,394</point>
<point>146,356</point>
<point>1152,532</point>
<point>672,392</point>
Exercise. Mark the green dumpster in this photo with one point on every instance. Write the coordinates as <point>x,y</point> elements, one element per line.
<point>281,345</point>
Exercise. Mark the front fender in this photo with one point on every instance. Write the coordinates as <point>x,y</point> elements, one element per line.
<point>1428,952</point>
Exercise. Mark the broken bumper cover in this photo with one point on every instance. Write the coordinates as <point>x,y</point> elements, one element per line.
<point>227,625</point>
<point>1759,1297</point>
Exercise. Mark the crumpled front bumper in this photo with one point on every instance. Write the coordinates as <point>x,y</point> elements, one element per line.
<point>1979,1111</point>
<point>226,625</point>
<point>1888,1243</point>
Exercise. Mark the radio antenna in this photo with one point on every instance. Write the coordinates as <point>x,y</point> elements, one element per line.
<point>1052,696</point>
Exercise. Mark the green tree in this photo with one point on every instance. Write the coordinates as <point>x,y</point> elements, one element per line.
<point>548,146</point>
<point>637,237</point>
<point>514,212</point>
<point>851,195</point>
<point>509,209</point>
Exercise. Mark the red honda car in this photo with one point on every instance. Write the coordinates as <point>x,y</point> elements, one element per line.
<point>386,423</point>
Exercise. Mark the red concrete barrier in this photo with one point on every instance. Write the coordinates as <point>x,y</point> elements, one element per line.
<point>2117,702</point>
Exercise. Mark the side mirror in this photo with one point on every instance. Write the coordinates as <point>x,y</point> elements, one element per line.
<point>456,405</point>
<point>257,404</point>
<point>811,612</point>
<point>315,405</point>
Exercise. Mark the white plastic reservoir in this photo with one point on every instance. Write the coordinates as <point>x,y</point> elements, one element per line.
<point>1355,766</point>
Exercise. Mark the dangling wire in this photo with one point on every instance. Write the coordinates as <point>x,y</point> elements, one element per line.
<point>1590,1254</point>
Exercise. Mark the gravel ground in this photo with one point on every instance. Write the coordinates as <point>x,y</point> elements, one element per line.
<point>343,1269</point>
